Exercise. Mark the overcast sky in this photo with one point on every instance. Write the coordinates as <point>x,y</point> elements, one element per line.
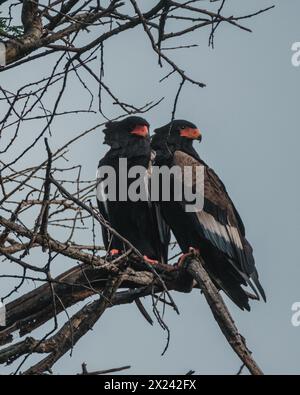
<point>249,118</point>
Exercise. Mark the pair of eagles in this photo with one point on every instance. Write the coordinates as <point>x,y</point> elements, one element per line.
<point>216,230</point>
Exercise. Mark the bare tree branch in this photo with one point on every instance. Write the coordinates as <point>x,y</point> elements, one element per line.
<point>45,207</point>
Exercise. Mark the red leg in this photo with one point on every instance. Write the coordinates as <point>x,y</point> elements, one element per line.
<point>150,261</point>
<point>114,252</point>
<point>192,251</point>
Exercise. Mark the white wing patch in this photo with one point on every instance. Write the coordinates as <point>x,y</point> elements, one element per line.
<point>233,232</point>
<point>219,234</point>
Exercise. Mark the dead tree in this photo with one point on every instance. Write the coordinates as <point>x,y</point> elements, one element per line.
<point>50,195</point>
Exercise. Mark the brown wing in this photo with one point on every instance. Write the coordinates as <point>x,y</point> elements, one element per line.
<point>219,222</point>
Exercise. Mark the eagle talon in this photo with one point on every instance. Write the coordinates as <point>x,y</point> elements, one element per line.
<point>112,254</point>
<point>150,261</point>
<point>192,252</point>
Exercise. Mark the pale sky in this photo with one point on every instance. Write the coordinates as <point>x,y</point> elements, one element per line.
<point>248,115</point>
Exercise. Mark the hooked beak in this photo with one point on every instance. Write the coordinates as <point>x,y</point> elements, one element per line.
<point>140,130</point>
<point>191,133</point>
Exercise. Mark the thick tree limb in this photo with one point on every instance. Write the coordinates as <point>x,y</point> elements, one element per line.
<point>76,327</point>
<point>78,276</point>
<point>33,30</point>
<point>221,314</point>
<point>35,308</point>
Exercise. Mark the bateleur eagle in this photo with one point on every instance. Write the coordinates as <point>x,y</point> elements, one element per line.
<point>217,230</point>
<point>137,221</point>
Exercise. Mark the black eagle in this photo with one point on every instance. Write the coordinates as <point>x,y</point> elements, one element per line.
<point>137,221</point>
<point>217,230</point>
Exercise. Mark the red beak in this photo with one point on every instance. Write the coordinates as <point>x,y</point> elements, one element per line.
<point>140,130</point>
<point>191,133</point>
